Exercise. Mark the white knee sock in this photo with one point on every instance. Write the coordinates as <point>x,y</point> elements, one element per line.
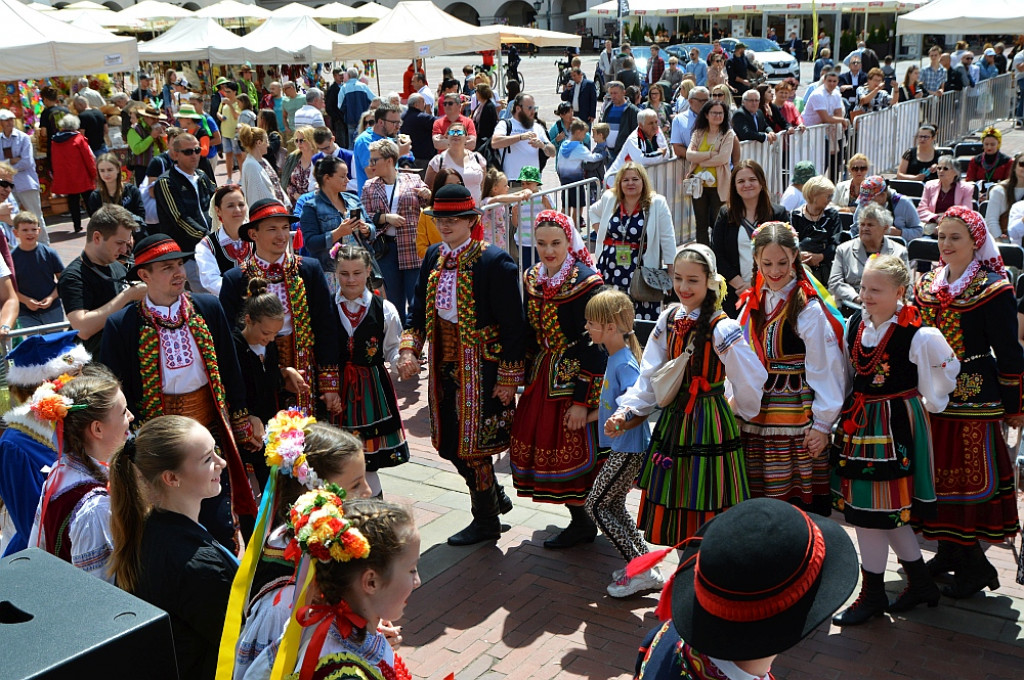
<point>904,544</point>
<point>874,549</point>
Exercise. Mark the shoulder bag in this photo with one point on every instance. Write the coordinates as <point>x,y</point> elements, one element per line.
<point>667,380</point>
<point>649,284</point>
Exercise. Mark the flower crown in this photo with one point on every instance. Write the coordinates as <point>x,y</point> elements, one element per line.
<point>317,520</point>
<point>286,446</point>
<point>49,406</point>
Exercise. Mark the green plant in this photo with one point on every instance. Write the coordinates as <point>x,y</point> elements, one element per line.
<point>847,44</point>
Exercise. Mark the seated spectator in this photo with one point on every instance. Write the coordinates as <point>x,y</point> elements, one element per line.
<point>991,165</point>
<point>848,190</point>
<point>906,222</point>
<point>793,196</point>
<point>919,161</point>
<point>1015,221</point>
<point>1001,197</point>
<point>111,188</point>
<point>74,167</point>
<point>872,96</point>
<point>848,266</point>
<point>943,193</point>
<point>38,266</point>
<point>749,122</point>
<point>818,225</point>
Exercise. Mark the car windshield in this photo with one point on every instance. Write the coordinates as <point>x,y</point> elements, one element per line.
<point>641,52</point>
<point>761,45</point>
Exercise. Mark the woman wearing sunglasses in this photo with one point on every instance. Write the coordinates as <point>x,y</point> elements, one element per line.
<point>847,191</point>
<point>919,161</point>
<point>469,164</point>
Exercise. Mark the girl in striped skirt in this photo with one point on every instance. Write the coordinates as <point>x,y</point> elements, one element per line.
<point>798,335</point>
<point>694,467</point>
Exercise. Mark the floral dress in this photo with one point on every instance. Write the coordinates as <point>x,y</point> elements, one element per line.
<point>625,231</point>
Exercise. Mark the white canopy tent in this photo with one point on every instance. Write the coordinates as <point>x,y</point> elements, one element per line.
<point>533,36</point>
<point>232,9</point>
<point>294,9</point>
<point>371,11</point>
<point>38,45</point>
<point>288,40</point>
<point>149,11</point>
<point>412,30</point>
<point>195,38</point>
<point>992,17</point>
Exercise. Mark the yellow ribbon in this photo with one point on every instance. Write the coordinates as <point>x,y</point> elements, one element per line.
<point>288,651</point>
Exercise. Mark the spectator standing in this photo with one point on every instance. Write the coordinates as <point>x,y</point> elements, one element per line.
<point>418,124</point>
<point>452,105</point>
<point>246,87</point>
<point>111,188</point>
<point>912,87</point>
<point>223,249</point>
<point>419,83</point>
<point>682,124</point>
<point>821,62</point>
<point>392,201</point>
<point>298,166</point>
<point>93,124</point>
<point>387,120</point>
<point>333,102</point>
<point>582,94</point>
<point>933,76</point>
<point>470,165</point>
<point>697,68</point>
<point>1000,59</point>
<point>628,75</point>
<point>717,73</point>
<point>1018,70</point>
<point>332,216</point>
<point>311,113</point>
<point>872,96</point>
<point>674,75</point>
<point>16,149</point>
<point>558,133</point>
<point>355,98</point>
<point>619,114</point>
<point>646,145</point>
<point>74,167</point>
<point>739,69</point>
<point>963,73</point>
<point>987,68</point>
<point>710,151</point>
<point>291,102</point>
<point>94,285</point>
<point>656,102</point>
<point>9,207</point>
<point>524,138</point>
<point>749,122</point>
<point>326,145</point>
<point>191,121</point>
<point>53,111</point>
<point>167,93</point>
<point>605,64</point>
<point>267,122</point>
<point>142,93</point>
<point>227,114</point>
<point>850,81</point>
<point>625,52</point>
<point>96,100</point>
<point>655,65</point>
<point>485,116</point>
<point>943,193</point>
<point>825,105</point>
<point>257,178</point>
<point>39,268</point>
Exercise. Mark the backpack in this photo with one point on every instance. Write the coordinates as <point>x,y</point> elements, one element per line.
<point>496,157</point>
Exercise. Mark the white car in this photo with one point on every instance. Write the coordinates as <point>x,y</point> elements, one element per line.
<point>776,63</point>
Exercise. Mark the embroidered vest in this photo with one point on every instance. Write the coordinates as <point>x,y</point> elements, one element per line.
<point>883,380</point>
<point>365,347</point>
<point>59,513</point>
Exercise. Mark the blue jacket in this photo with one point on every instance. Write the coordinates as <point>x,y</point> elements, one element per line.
<point>21,481</point>
<point>354,101</point>
<point>318,219</point>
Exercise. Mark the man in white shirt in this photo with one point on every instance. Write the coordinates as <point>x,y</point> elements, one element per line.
<point>312,113</point>
<point>605,63</point>
<point>419,81</point>
<point>94,98</point>
<point>682,124</point>
<point>1018,69</point>
<point>825,105</point>
<point>16,149</point>
<point>523,136</point>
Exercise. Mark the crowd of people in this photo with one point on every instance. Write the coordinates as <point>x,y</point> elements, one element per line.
<point>223,405</point>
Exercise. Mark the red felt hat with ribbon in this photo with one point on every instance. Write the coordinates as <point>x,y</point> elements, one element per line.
<point>156,248</point>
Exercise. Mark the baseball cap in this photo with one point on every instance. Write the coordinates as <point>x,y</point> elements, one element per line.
<point>990,52</point>
<point>6,114</point>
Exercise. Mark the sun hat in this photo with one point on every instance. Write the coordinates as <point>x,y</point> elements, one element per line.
<point>261,210</point>
<point>44,357</point>
<point>762,576</point>
<point>530,173</point>
<point>188,111</point>
<point>152,112</point>
<point>156,248</point>
<point>803,171</point>
<point>453,200</point>
<point>220,81</point>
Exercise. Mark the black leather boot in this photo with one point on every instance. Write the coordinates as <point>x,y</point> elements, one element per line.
<point>581,529</point>
<point>920,588</point>
<point>948,556</point>
<point>974,574</point>
<point>871,601</point>
<point>504,502</point>
<point>485,525</point>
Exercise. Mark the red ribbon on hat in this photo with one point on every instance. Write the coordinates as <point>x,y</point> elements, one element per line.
<point>270,210</point>
<point>322,616</point>
<point>150,254</point>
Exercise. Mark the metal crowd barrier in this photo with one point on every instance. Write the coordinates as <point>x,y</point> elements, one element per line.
<point>779,158</point>
<point>5,343</point>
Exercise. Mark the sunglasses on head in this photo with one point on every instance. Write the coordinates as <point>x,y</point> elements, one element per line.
<point>190,152</point>
<point>5,184</point>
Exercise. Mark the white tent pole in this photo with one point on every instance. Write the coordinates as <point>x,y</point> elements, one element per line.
<point>499,84</point>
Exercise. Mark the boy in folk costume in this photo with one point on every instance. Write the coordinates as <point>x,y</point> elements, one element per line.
<point>469,307</point>
<point>28,447</point>
<point>309,337</point>
<point>174,355</point>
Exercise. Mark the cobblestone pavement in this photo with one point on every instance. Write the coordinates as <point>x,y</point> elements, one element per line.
<point>516,611</point>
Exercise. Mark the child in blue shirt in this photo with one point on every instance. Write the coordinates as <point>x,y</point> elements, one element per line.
<point>37,266</point>
<point>610,316</point>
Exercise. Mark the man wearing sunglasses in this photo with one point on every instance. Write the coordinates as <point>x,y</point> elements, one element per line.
<point>183,196</point>
<point>452,105</point>
<point>387,120</point>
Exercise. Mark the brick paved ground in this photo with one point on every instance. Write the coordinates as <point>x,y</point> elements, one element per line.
<point>517,611</point>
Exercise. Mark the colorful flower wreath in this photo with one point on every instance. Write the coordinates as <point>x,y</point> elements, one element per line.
<point>317,520</point>
<point>286,442</point>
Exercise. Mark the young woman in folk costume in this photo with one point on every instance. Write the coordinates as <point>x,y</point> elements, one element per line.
<point>882,455</point>
<point>554,448</point>
<point>798,334</point>
<point>302,455</point>
<point>969,299</point>
<point>694,469</point>
<point>362,559</point>
<point>371,332</point>
<point>73,518</point>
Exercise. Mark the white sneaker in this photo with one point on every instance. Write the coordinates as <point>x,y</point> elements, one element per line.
<point>648,580</point>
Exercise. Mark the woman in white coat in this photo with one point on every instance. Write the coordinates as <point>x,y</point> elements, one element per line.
<point>634,229</point>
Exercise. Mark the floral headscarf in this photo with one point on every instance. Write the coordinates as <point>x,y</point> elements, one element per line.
<point>577,250</point>
<point>870,188</point>
<point>986,254</point>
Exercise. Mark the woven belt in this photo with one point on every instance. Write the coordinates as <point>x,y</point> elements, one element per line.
<point>447,340</point>
<point>198,405</point>
<point>285,353</point>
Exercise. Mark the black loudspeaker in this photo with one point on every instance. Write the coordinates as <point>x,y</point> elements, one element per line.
<point>56,621</point>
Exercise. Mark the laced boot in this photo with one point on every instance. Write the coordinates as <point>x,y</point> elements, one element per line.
<point>974,574</point>
<point>871,601</point>
<point>920,588</point>
<point>581,529</point>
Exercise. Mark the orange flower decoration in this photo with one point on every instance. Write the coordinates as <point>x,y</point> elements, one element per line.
<point>51,408</point>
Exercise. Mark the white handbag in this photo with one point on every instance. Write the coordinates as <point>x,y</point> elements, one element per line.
<point>667,380</point>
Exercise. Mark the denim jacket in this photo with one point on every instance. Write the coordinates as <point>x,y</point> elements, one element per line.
<point>319,218</point>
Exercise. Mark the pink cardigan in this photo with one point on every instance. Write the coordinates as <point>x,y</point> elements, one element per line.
<point>926,208</point>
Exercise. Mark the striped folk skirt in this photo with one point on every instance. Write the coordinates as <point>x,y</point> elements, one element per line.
<point>694,468</point>
<point>882,472</point>
<point>370,411</point>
